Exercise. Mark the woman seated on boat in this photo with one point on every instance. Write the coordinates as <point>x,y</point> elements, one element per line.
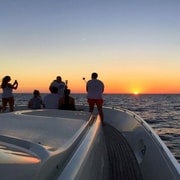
<point>36,101</point>
<point>51,101</point>
<point>67,102</point>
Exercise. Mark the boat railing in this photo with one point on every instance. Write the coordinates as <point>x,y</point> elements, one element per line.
<point>139,135</point>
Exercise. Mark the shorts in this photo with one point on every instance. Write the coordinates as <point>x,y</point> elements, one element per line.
<point>98,102</point>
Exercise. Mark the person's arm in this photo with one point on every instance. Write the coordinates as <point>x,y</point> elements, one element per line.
<point>87,87</point>
<point>15,85</point>
<point>50,86</point>
<point>102,87</point>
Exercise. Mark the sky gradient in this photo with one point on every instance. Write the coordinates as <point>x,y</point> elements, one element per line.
<point>134,45</point>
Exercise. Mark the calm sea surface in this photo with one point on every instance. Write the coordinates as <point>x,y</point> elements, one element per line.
<point>161,112</point>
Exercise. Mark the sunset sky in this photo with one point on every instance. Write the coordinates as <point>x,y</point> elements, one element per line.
<point>134,45</point>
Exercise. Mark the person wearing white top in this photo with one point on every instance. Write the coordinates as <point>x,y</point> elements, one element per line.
<point>95,89</point>
<point>59,84</point>
<point>7,95</point>
<point>51,101</point>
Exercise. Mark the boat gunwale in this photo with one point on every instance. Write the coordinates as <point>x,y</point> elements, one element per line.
<point>162,146</point>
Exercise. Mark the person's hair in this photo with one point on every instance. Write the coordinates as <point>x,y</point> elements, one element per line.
<point>94,75</point>
<point>54,89</point>
<point>36,93</point>
<point>5,81</point>
<point>59,78</point>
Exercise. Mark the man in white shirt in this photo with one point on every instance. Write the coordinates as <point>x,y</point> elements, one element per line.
<point>51,101</point>
<point>95,89</point>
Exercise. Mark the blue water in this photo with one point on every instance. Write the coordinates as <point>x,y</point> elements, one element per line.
<point>161,112</point>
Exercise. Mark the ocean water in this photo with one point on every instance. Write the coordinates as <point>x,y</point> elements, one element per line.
<point>161,112</point>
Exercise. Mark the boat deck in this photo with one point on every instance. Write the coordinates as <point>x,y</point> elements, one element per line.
<point>51,129</point>
<point>123,164</point>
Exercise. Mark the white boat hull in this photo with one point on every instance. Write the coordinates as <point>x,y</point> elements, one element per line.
<point>56,144</point>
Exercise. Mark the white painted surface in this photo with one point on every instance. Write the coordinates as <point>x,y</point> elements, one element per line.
<point>51,131</point>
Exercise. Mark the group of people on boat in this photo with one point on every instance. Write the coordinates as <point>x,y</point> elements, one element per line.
<point>59,96</point>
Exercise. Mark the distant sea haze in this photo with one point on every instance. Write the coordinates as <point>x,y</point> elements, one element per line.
<point>161,112</point>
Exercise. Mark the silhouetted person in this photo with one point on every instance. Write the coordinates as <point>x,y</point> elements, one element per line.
<point>51,101</point>
<point>36,101</point>
<point>95,89</point>
<point>59,84</point>
<point>67,102</point>
<point>7,95</point>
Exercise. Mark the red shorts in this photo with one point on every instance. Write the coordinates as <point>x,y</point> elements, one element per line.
<point>98,102</point>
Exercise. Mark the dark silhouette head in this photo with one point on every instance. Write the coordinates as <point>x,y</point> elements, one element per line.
<point>94,75</point>
<point>54,90</point>
<point>58,78</point>
<point>5,81</point>
<point>36,93</point>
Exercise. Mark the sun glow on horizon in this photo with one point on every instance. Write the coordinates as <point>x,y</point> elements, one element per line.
<point>135,92</point>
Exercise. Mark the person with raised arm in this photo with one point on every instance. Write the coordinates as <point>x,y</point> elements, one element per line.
<point>7,94</point>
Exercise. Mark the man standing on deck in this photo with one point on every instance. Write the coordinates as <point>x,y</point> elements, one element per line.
<point>59,84</point>
<point>95,89</point>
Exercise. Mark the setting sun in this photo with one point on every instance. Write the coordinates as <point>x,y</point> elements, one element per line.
<point>136,93</point>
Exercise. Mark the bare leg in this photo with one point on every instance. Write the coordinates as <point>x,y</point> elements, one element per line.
<point>4,104</point>
<point>91,108</point>
<point>11,104</point>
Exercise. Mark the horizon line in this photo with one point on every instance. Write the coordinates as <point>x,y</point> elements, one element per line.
<point>108,93</point>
